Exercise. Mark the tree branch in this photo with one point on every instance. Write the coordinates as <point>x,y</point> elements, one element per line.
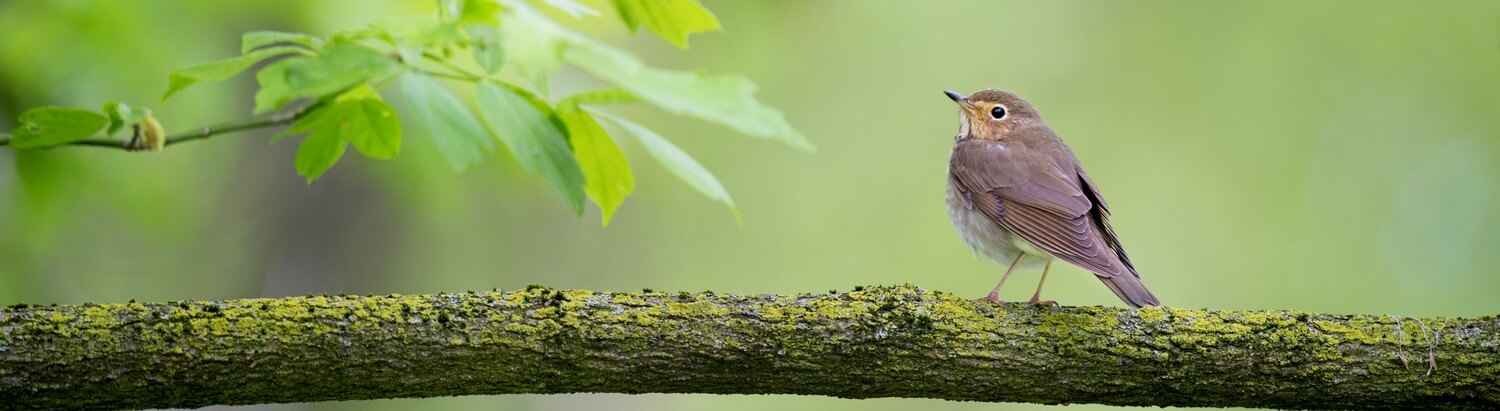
<point>880,342</point>
<point>205,132</point>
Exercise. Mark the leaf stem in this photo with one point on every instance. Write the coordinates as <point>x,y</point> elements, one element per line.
<point>449,76</point>
<point>446,64</point>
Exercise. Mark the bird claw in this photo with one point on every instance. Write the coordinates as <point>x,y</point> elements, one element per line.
<point>1048,303</point>
<point>994,299</point>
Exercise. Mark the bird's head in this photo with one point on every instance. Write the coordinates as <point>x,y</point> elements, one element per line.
<point>991,114</point>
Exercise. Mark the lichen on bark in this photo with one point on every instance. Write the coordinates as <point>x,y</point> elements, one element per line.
<point>899,341</point>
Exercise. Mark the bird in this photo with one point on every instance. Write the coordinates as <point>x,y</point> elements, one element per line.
<point>1018,195</point>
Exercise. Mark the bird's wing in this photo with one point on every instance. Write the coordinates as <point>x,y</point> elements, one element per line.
<point>1041,198</point>
<point>1127,287</point>
<point>1100,213</point>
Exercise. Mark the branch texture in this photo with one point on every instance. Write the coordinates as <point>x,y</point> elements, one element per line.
<point>901,341</point>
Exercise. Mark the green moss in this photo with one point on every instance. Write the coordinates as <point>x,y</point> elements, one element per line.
<point>1153,314</point>
<point>771,313</point>
<point>697,308</point>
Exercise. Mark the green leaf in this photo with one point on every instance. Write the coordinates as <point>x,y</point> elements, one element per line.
<point>454,130</point>
<point>222,69</point>
<point>723,99</point>
<point>485,41</point>
<point>447,9</point>
<point>480,11</point>
<point>606,172</point>
<point>274,93</point>
<point>412,35</point>
<point>573,8</point>
<point>338,68</point>
<point>319,151</point>
<point>534,44</point>
<point>432,34</point>
<point>524,123</point>
<point>115,123</point>
<point>121,115</point>
<point>677,161</point>
<point>373,126</point>
<point>359,117</point>
<point>50,126</point>
<point>257,39</point>
<point>672,20</point>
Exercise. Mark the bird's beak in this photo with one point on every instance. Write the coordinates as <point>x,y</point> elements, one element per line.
<point>958,98</point>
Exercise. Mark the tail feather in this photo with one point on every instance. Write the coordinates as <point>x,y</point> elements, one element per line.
<point>1129,288</point>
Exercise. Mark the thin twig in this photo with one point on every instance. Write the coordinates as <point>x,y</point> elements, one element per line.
<point>202,133</point>
<point>275,120</point>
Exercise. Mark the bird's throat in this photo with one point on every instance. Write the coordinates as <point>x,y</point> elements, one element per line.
<point>963,126</point>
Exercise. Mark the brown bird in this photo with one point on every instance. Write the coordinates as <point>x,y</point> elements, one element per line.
<point>1017,195</point>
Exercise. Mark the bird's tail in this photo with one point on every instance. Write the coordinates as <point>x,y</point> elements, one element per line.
<point>1128,286</point>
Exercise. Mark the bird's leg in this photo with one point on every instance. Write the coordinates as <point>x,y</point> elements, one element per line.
<point>1036,298</point>
<point>995,294</point>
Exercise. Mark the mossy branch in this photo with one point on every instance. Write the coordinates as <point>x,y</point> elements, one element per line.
<point>880,342</point>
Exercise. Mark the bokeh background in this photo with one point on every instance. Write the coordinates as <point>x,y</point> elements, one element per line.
<point>1339,156</point>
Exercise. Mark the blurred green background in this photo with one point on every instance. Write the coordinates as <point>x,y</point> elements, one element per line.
<point>1339,156</point>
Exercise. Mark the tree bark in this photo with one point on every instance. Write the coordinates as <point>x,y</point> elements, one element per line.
<point>901,341</point>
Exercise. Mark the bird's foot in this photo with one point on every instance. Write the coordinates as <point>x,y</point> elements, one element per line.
<point>994,299</point>
<point>1037,301</point>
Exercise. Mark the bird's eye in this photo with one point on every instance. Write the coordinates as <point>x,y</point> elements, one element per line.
<point>998,112</point>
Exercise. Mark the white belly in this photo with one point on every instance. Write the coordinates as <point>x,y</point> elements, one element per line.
<point>987,238</point>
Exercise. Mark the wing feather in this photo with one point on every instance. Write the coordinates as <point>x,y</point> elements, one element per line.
<point>1050,206</point>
